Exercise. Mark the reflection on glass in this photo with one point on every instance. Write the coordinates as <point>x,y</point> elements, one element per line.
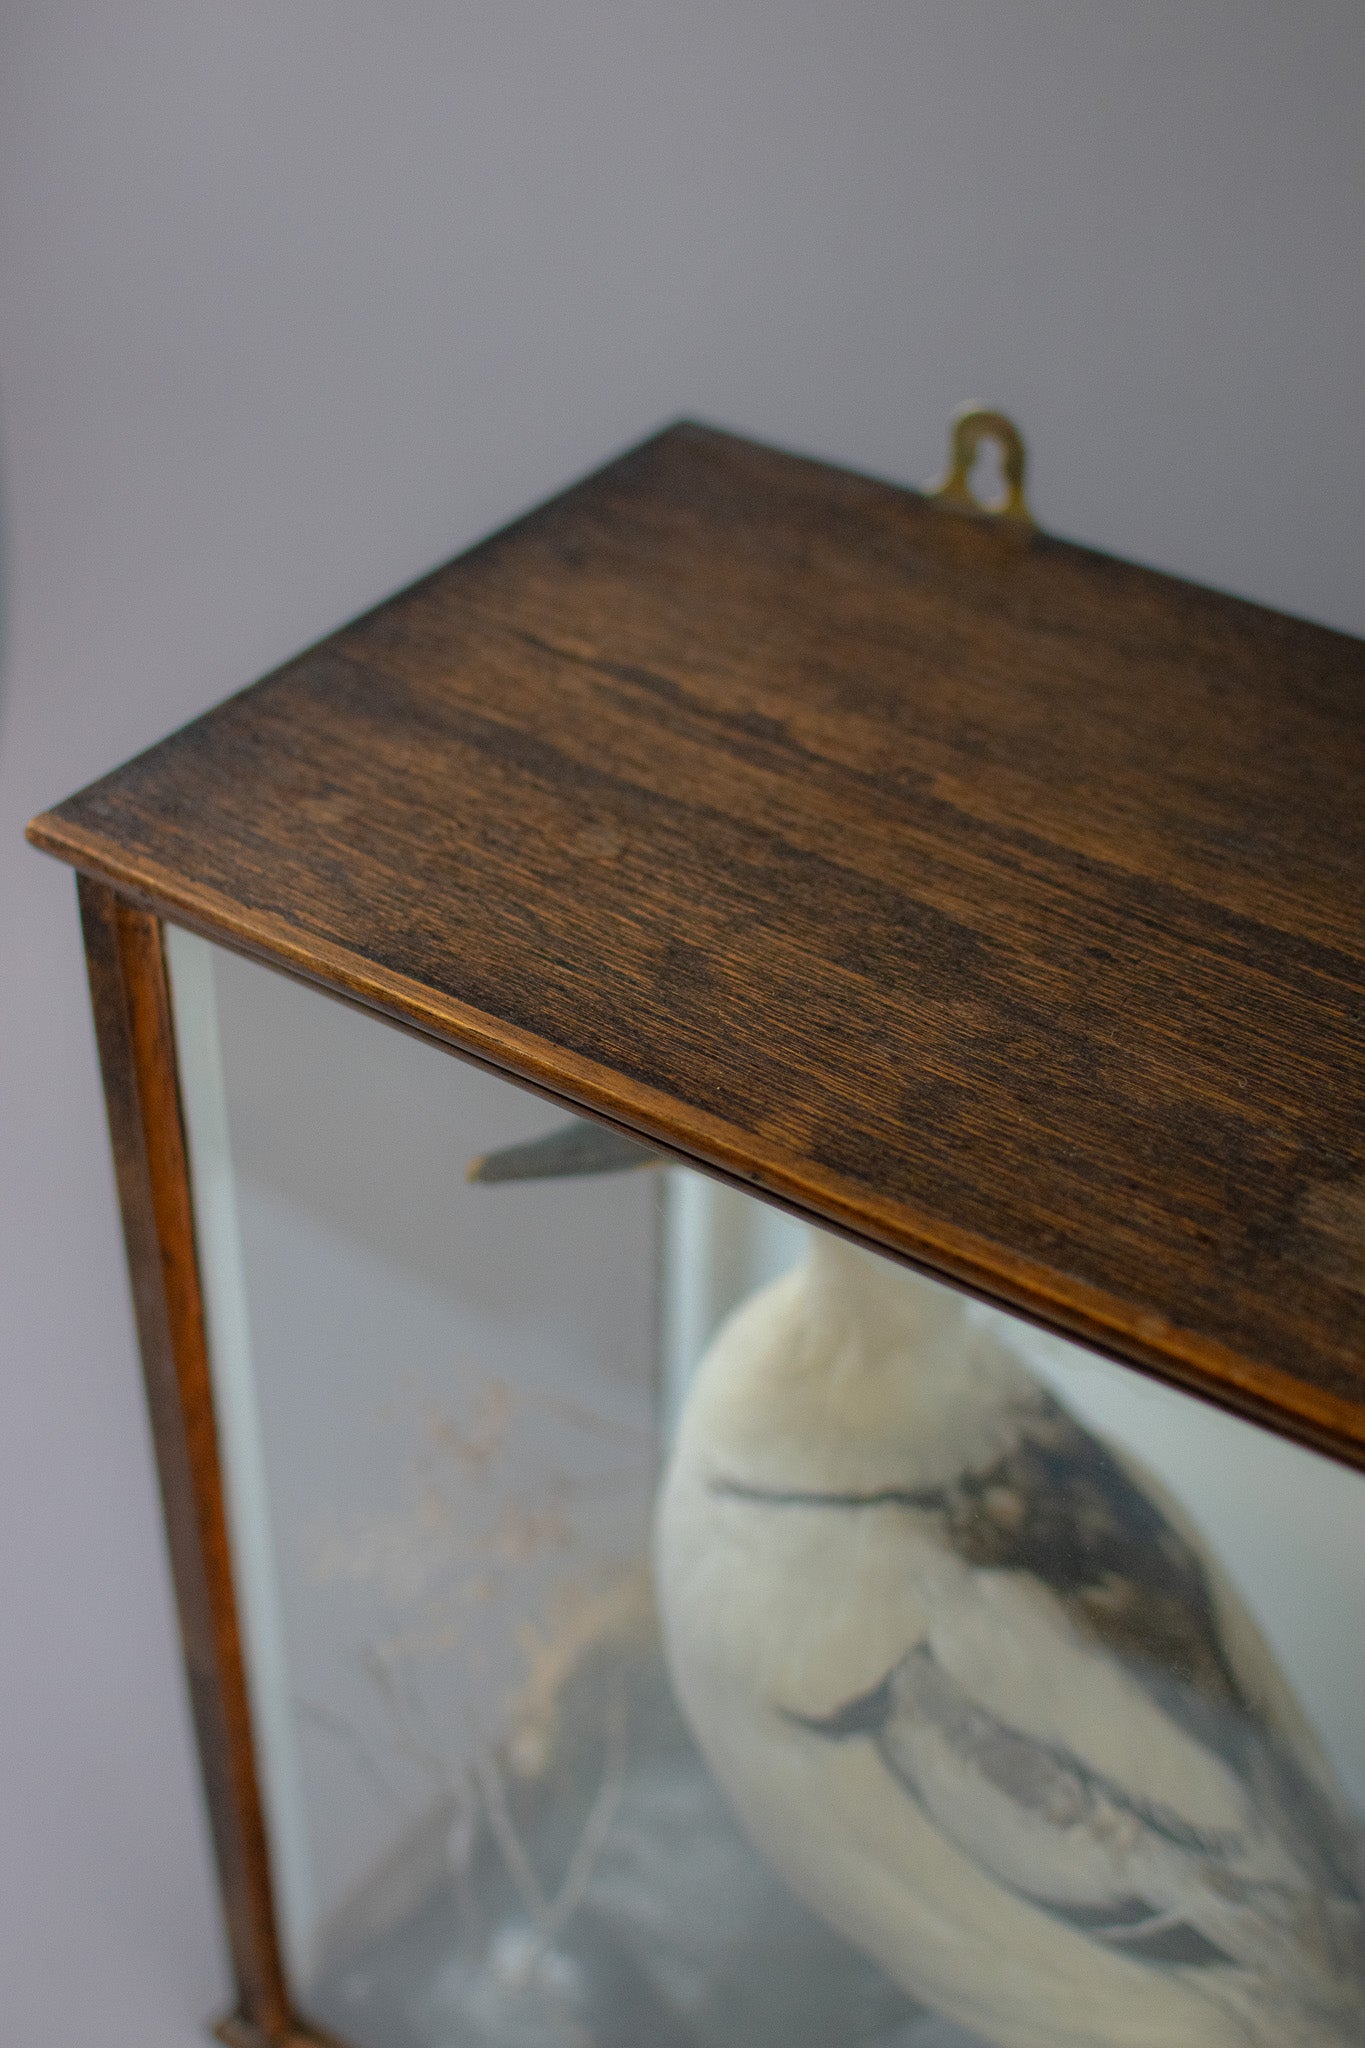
<point>667,1624</point>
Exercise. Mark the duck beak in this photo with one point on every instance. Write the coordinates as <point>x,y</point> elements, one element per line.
<point>574,1148</point>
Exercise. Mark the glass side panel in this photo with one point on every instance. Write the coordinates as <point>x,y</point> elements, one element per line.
<point>669,1624</point>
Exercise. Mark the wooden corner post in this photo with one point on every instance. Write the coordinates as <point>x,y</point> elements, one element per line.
<point>133,1024</point>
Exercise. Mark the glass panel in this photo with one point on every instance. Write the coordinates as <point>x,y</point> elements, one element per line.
<point>667,1624</point>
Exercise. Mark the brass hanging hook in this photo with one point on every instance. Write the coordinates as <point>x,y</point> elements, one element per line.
<point>973,425</point>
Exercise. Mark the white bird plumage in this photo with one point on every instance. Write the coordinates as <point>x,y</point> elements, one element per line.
<point>981,1694</point>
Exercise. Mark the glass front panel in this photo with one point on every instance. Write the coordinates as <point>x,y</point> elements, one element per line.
<point>671,1625</point>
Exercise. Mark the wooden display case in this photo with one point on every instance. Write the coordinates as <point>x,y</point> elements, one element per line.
<point>868,861</point>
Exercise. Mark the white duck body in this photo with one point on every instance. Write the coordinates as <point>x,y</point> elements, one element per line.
<point>981,1697</point>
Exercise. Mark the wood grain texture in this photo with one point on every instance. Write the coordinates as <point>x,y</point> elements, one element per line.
<point>992,900</point>
<point>133,1026</point>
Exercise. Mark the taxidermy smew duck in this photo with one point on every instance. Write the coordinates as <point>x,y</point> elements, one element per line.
<point>981,1694</point>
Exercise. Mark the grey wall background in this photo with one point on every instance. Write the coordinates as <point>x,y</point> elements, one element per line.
<point>295,301</point>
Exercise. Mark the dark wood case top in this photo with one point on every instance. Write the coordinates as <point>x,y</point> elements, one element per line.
<point>995,900</point>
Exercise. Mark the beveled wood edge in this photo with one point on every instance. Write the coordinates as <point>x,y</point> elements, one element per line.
<point>1322,1421</point>
<point>131,1001</point>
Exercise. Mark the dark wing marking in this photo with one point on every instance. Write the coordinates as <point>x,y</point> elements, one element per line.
<point>1130,1872</point>
<point>1131,1926</point>
<point>929,1499</point>
<point>1059,1506</point>
<point>1041,1780</point>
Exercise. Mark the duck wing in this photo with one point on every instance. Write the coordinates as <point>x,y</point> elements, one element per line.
<point>1272,1889</point>
<point>1059,1509</point>
<point>1128,1871</point>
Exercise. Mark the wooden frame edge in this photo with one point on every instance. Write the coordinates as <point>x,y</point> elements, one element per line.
<point>237,2031</point>
<point>1330,1424</point>
<point>130,995</point>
